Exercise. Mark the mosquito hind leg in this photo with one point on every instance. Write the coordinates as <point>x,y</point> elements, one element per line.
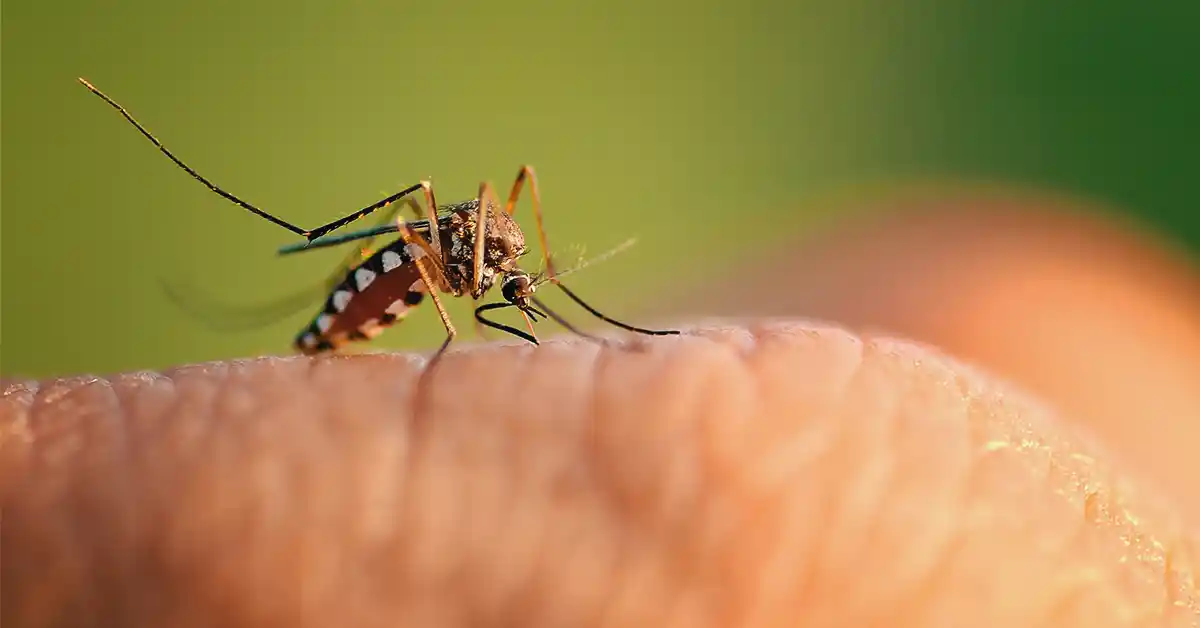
<point>309,234</point>
<point>356,254</point>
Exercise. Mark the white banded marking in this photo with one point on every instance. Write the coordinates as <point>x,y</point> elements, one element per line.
<point>370,328</point>
<point>341,299</point>
<point>363,278</point>
<point>397,308</point>
<point>391,261</point>
<point>324,322</point>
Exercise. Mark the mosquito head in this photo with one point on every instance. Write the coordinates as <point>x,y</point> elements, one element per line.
<point>518,288</point>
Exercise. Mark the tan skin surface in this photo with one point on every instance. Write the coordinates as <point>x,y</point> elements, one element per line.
<point>781,474</point>
<point>1093,317</point>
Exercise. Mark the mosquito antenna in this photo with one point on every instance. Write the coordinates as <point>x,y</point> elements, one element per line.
<point>310,235</point>
<point>501,326</point>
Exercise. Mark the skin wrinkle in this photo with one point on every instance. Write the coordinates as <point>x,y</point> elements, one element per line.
<point>810,586</point>
<point>781,529</point>
<point>803,520</point>
<point>897,431</point>
<point>929,602</point>
<point>726,513</point>
<point>1035,519</point>
<point>878,470</point>
<point>16,434</point>
<point>949,542</point>
<point>922,603</point>
<point>603,570</point>
<point>101,424</point>
<point>1102,508</point>
<point>131,400</point>
<point>937,267</point>
<point>1087,486</point>
<point>623,469</point>
<point>923,593</point>
<point>706,487</point>
<point>430,442</point>
<point>214,573</point>
<point>486,492</point>
<point>625,556</point>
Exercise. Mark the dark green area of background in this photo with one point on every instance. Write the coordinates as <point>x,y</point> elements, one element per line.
<point>682,123</point>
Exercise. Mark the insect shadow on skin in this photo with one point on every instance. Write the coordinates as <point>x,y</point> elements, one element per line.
<point>459,249</point>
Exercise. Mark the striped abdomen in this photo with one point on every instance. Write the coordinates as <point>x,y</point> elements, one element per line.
<point>374,295</point>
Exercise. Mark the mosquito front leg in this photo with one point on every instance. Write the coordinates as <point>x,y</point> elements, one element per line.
<point>486,194</point>
<point>527,172</point>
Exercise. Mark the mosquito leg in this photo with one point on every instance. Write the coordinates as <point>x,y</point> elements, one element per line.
<point>525,173</point>
<point>486,195</point>
<point>311,235</point>
<point>349,218</point>
<point>480,328</point>
<point>356,254</point>
<point>384,202</point>
<point>431,209</point>
<point>423,267</point>
<point>612,321</point>
<point>231,318</point>
<point>427,266</point>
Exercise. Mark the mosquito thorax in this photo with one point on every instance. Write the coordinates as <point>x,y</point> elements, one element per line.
<point>503,245</point>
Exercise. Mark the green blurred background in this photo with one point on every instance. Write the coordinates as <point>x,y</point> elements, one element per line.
<point>677,122</point>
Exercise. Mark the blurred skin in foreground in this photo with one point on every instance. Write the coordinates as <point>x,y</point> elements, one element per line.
<point>1094,317</point>
<point>758,474</point>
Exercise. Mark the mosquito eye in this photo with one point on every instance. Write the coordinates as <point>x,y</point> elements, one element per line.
<point>509,290</point>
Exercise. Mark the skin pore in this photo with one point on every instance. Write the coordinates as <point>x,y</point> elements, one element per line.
<point>753,474</point>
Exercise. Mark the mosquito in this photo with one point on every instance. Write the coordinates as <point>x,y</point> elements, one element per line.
<point>459,249</point>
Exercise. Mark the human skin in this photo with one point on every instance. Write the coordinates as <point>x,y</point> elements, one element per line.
<point>1093,315</point>
<point>764,473</point>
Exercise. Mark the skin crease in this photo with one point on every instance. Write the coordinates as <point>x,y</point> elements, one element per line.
<point>775,473</point>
